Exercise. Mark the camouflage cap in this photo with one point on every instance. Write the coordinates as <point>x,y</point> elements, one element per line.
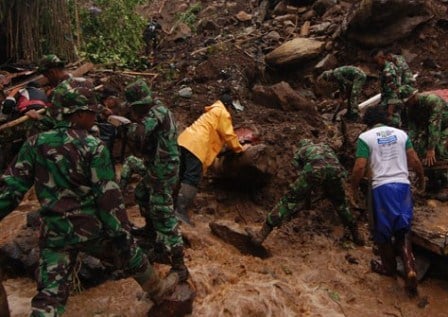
<point>48,62</point>
<point>138,93</point>
<point>72,95</point>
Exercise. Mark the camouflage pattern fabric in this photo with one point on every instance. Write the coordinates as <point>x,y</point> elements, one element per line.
<point>158,137</point>
<point>80,205</point>
<point>428,125</point>
<point>48,62</point>
<point>390,85</point>
<point>71,95</point>
<point>320,170</point>
<point>138,93</point>
<point>350,79</point>
<point>131,165</point>
<point>405,73</point>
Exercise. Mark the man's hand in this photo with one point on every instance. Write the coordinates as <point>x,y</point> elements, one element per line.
<point>33,114</point>
<point>430,158</point>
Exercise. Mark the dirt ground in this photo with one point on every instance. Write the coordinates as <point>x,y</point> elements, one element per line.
<point>313,270</point>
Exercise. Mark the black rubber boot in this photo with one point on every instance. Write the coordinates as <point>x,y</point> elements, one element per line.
<point>388,264</point>
<point>258,237</point>
<point>186,195</point>
<point>177,263</point>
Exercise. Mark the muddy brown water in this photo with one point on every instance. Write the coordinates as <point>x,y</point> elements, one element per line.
<point>307,275</point>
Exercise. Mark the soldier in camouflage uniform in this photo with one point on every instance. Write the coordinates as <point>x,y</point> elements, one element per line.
<point>52,68</point>
<point>155,135</point>
<point>350,79</point>
<point>320,169</point>
<point>81,205</point>
<point>396,81</point>
<point>404,71</point>
<point>428,129</point>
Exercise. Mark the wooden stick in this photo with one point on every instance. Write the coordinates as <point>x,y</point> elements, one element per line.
<point>18,121</point>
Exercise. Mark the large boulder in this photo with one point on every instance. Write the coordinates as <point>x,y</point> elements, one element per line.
<point>381,22</point>
<point>281,95</point>
<point>295,51</point>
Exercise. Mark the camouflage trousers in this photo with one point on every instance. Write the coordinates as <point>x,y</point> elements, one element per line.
<point>353,90</point>
<point>329,180</point>
<point>154,195</point>
<point>54,273</point>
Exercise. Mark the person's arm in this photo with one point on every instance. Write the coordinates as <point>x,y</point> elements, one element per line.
<point>358,172</point>
<point>434,128</point>
<point>415,164</point>
<point>108,197</point>
<point>225,130</point>
<point>359,169</point>
<point>17,179</point>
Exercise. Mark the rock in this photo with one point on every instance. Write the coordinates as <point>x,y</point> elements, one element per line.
<point>320,28</point>
<point>328,62</point>
<point>309,15</point>
<point>272,36</point>
<point>321,6</point>
<point>242,16</point>
<point>182,32</point>
<point>280,8</point>
<point>231,233</point>
<point>288,23</point>
<point>207,25</point>
<point>305,29</point>
<point>382,22</point>
<point>295,51</point>
<point>287,17</point>
<point>281,95</point>
<point>178,304</point>
<point>186,92</point>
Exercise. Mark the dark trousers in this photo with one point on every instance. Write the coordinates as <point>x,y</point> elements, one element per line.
<point>190,168</point>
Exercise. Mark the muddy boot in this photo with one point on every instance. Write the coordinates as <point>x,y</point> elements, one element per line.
<point>356,236</point>
<point>178,264</point>
<point>257,237</point>
<point>388,264</point>
<point>156,287</point>
<point>184,199</point>
<point>405,245</point>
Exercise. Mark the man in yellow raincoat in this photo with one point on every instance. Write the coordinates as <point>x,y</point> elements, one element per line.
<point>199,144</point>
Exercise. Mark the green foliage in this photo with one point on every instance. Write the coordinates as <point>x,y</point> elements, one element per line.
<point>114,36</point>
<point>189,16</point>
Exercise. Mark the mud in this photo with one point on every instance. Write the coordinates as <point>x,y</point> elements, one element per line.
<point>313,270</point>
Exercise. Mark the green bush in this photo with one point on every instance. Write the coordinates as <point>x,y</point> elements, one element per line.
<point>114,36</point>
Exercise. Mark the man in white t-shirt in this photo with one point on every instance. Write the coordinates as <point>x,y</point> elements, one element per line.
<point>388,151</point>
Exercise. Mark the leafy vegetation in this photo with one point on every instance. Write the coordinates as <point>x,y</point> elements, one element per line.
<point>111,35</point>
<point>189,16</point>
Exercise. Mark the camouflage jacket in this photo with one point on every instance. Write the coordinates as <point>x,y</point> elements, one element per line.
<point>74,182</point>
<point>156,137</point>
<point>404,71</point>
<point>428,122</point>
<point>348,72</point>
<point>390,83</point>
<point>313,157</point>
